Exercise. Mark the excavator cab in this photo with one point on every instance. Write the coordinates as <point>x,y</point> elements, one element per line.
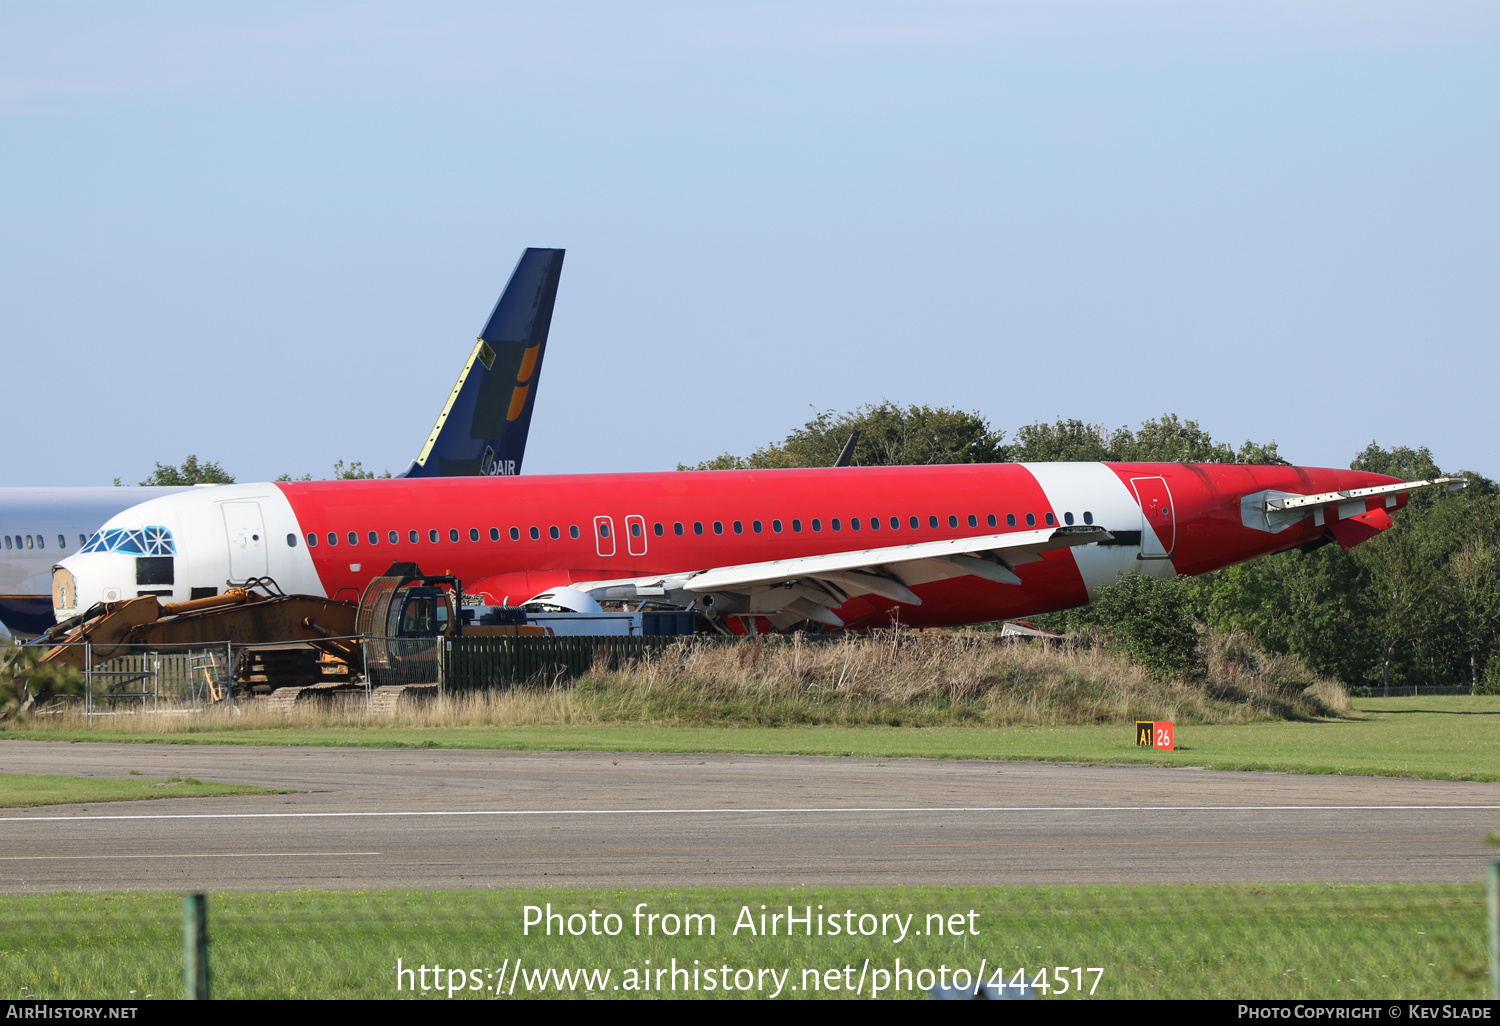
<point>418,616</point>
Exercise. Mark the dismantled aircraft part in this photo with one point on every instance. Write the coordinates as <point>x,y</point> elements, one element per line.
<point>562,600</point>
<point>238,617</point>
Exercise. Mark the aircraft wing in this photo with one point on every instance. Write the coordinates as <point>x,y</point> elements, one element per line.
<point>786,591</point>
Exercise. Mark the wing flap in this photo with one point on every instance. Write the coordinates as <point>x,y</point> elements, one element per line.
<point>809,587</point>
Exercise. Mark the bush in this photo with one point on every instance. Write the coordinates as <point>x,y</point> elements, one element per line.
<point>1148,618</point>
<point>1489,684</point>
<point>21,677</point>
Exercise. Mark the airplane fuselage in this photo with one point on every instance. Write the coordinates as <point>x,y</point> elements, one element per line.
<point>39,526</point>
<point>509,538</point>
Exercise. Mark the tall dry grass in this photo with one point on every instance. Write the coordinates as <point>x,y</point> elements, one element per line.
<point>898,678</point>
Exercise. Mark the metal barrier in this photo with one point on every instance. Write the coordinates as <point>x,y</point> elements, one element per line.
<point>472,663</point>
<point>161,677</point>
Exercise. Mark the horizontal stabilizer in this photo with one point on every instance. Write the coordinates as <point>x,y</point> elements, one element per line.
<point>1276,511</point>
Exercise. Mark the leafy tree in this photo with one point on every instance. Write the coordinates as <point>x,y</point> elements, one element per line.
<point>190,473</point>
<point>1063,442</point>
<point>1473,574</point>
<point>890,435</point>
<point>1307,604</point>
<point>1168,440</point>
<point>1149,618</point>
<point>355,471</point>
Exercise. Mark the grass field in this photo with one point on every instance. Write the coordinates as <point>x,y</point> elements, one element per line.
<point>1445,737</point>
<point>22,789</point>
<point>1280,941</point>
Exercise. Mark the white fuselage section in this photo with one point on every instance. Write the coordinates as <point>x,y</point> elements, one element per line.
<point>221,537</point>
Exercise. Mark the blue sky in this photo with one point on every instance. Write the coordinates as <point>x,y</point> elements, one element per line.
<point>267,233</point>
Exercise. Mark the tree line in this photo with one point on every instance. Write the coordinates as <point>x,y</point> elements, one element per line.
<point>1418,604</point>
<point>192,471</point>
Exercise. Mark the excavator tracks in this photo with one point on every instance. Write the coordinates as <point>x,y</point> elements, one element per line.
<point>389,697</point>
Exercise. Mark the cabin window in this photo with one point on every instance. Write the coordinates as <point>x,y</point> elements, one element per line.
<point>62,541</point>
<point>333,539</point>
<point>554,533</point>
<point>697,527</point>
<point>836,524</point>
<point>677,528</point>
<point>7,541</point>
<point>854,523</point>
<point>151,570</point>
<point>432,535</point>
<point>1051,520</point>
<point>473,534</point>
<point>374,538</point>
<point>973,520</point>
<point>915,523</point>
<point>718,527</point>
<point>797,526</point>
<point>353,537</point>
<point>312,540</point>
<point>1067,518</point>
<point>1031,520</point>
<point>392,537</point>
<point>756,526</point>
<point>1010,520</point>
<point>291,541</point>
<point>515,534</point>
<point>41,541</point>
<point>635,529</point>
<point>82,541</point>
<point>1088,518</point>
<point>494,534</point>
<point>932,522</point>
<point>739,528</point>
<point>952,520</point>
<point>536,534</point>
<point>411,536</point>
<point>776,526</point>
<point>874,523</point>
<point>603,528</point>
<point>453,534</point>
<point>573,531</point>
<point>657,529</point>
<point>817,525</point>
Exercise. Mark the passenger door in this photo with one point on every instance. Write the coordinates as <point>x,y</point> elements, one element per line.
<point>247,540</point>
<point>1158,518</point>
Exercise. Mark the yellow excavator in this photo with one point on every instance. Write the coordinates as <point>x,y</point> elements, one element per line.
<point>292,647</point>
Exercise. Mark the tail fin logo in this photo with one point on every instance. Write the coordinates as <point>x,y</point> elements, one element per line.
<point>523,382</point>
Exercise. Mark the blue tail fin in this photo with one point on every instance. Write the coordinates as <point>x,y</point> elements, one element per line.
<point>482,429</point>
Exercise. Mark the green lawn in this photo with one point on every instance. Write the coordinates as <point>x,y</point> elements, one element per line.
<point>1446,737</point>
<point>22,789</point>
<point>1275,941</point>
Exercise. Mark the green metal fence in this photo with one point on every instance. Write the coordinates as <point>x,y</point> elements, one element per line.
<point>471,663</point>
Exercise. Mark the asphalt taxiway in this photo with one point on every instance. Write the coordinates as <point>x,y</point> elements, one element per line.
<point>364,817</point>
